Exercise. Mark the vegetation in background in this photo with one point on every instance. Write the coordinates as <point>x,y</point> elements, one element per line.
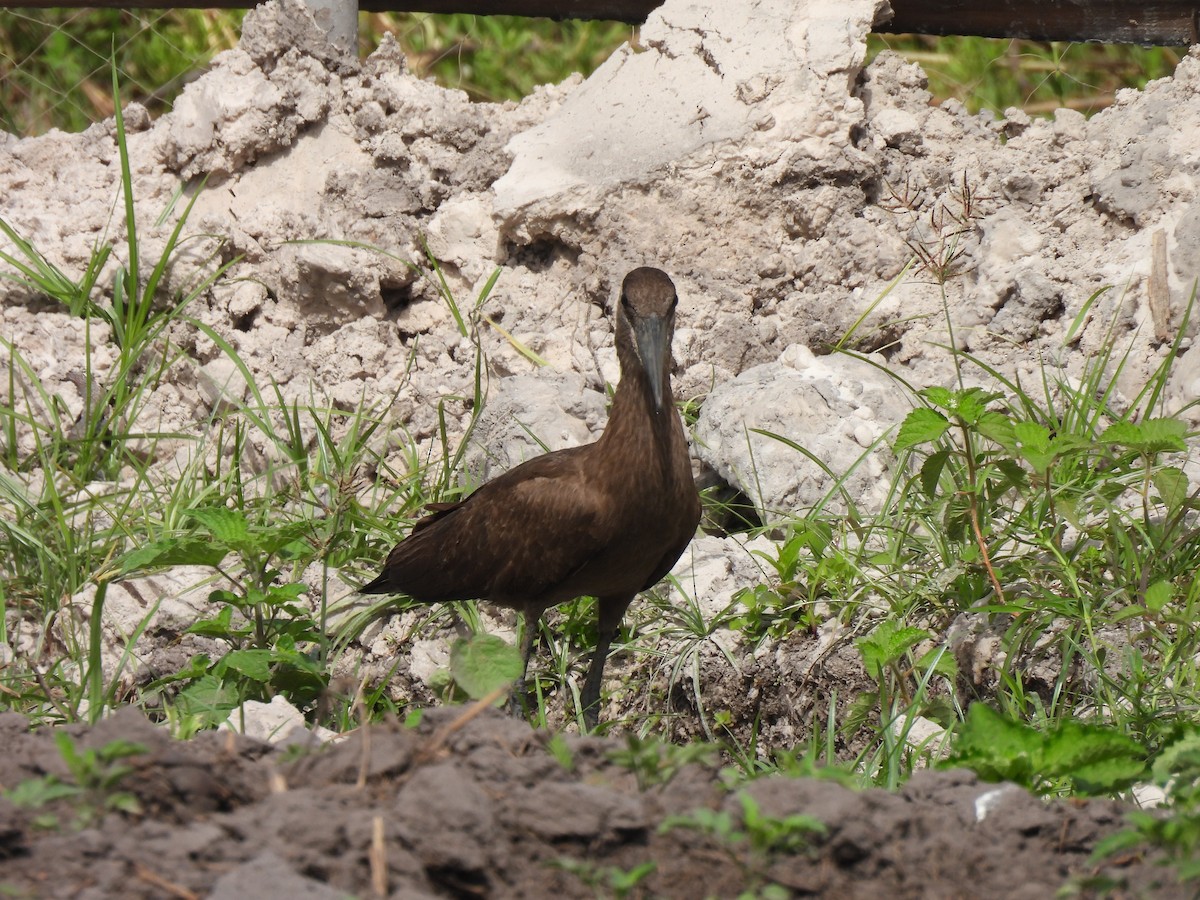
<point>1039,77</point>
<point>54,63</point>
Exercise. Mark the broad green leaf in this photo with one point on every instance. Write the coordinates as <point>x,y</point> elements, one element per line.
<point>219,626</point>
<point>209,698</point>
<point>972,405</point>
<point>1034,445</point>
<point>939,396</point>
<point>227,525</point>
<point>1158,595</point>
<point>887,644</point>
<point>995,748</point>
<point>1125,434</point>
<point>1172,486</point>
<point>942,662</point>
<point>920,426</point>
<point>996,426</point>
<point>1150,436</point>
<point>1164,434</point>
<point>1095,758</point>
<point>1012,475</point>
<point>1179,758</point>
<point>1032,436</point>
<point>181,551</point>
<point>254,664</point>
<point>484,663</point>
<point>931,471</point>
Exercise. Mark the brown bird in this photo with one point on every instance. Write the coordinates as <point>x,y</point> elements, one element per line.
<point>606,520</point>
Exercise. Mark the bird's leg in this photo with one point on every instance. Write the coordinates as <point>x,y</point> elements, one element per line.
<point>518,702</point>
<point>589,698</point>
<point>612,609</point>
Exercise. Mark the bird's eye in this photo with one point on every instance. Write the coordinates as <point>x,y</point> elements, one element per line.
<point>625,301</point>
<point>674,300</point>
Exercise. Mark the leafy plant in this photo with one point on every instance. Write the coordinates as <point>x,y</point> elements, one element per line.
<point>263,621</point>
<point>654,762</point>
<point>902,693</point>
<point>607,881</point>
<point>1085,758</point>
<point>479,666</point>
<point>811,567</point>
<point>752,843</point>
<point>93,788</point>
<point>1175,829</point>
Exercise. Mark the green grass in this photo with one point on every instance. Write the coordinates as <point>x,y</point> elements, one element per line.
<point>54,63</point>
<point>995,74</point>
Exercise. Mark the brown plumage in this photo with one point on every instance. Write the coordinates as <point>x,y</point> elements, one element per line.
<point>607,520</point>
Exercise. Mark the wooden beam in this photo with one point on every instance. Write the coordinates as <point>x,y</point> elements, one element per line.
<point>1161,22</point>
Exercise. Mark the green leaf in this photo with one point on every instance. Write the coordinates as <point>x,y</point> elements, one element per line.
<point>209,699</point>
<point>254,664</point>
<point>1034,445</point>
<point>36,792</point>
<point>942,663</point>
<point>939,396</point>
<point>1096,759</point>
<point>995,748</point>
<point>1165,434</point>
<point>972,405</point>
<point>920,426</point>
<point>1093,758</point>
<point>1125,434</point>
<point>1172,486</point>
<point>1179,761</point>
<point>996,426</point>
<point>227,525</point>
<point>887,644</point>
<point>484,663</point>
<point>1012,475</point>
<point>177,551</point>
<point>931,471</point>
<point>1150,436</point>
<point>219,626</point>
<point>1159,595</point>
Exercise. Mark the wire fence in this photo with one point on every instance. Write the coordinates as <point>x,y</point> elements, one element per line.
<point>54,63</point>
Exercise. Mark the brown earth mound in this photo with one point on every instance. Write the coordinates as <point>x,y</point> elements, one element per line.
<point>482,806</point>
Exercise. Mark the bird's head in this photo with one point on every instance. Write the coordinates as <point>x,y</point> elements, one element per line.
<point>645,324</point>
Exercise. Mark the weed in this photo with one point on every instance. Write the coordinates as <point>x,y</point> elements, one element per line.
<point>655,763</point>
<point>93,788</point>
<point>1088,759</point>
<point>1176,829</point>
<point>752,843</point>
<point>607,881</point>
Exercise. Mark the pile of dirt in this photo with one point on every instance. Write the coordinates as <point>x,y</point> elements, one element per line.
<point>484,806</point>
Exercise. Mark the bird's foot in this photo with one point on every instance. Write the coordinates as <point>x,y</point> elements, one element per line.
<point>519,701</point>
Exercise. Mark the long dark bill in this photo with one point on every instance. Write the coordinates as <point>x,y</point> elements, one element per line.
<point>654,348</point>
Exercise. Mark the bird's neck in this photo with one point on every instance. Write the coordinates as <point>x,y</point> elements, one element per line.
<point>633,420</point>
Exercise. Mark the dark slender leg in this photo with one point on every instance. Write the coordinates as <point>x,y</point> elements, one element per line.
<point>590,696</point>
<point>611,610</point>
<point>518,701</point>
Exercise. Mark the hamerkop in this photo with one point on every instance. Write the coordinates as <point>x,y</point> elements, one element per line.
<point>606,520</point>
